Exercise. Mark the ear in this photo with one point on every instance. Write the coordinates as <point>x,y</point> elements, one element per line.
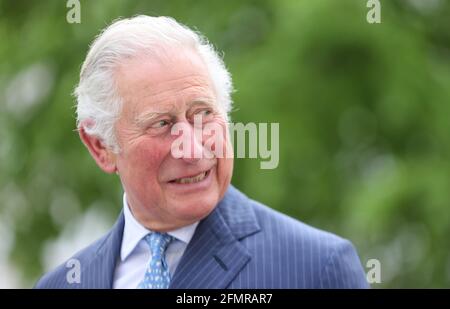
<point>102,154</point>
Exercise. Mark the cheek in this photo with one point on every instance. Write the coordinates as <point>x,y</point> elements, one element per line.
<point>145,159</point>
<point>224,174</point>
<point>225,168</point>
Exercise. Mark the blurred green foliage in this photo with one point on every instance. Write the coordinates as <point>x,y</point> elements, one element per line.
<point>363,112</point>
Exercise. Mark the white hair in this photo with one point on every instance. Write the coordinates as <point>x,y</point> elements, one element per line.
<point>97,93</point>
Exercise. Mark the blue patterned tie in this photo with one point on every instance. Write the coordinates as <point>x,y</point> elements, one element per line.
<point>157,275</point>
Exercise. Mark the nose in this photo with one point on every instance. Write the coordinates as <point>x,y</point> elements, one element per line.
<point>188,144</point>
<point>196,146</point>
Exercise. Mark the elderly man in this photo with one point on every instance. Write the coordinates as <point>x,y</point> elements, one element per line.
<point>183,225</point>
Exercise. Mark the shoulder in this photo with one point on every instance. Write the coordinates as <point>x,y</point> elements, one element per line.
<point>58,277</point>
<point>239,211</point>
<point>280,225</point>
<point>323,259</point>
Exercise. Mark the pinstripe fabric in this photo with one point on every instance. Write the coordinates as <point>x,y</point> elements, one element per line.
<point>241,244</point>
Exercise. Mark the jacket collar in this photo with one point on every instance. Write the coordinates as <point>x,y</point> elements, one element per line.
<point>215,255</point>
<point>212,259</point>
<point>98,273</point>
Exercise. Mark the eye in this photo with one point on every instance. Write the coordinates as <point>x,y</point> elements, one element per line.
<point>161,124</point>
<point>205,114</point>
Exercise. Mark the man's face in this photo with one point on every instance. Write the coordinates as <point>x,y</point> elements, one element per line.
<point>165,192</point>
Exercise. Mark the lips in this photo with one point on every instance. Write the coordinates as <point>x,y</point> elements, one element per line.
<point>191,179</point>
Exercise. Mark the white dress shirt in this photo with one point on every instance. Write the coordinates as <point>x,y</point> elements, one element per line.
<point>135,253</point>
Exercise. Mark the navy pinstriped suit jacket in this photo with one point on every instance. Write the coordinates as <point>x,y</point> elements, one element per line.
<point>241,244</point>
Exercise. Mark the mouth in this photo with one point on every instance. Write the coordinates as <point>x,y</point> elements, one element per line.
<point>192,179</point>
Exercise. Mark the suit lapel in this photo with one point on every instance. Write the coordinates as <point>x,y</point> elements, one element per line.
<point>99,273</point>
<point>215,255</point>
<point>213,258</point>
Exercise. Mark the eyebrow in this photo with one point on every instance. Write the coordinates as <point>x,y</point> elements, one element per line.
<point>145,118</point>
<point>209,102</point>
<point>141,120</point>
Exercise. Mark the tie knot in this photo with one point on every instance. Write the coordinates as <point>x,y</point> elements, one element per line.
<point>158,243</point>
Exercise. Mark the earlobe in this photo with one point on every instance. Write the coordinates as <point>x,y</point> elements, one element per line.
<point>102,154</point>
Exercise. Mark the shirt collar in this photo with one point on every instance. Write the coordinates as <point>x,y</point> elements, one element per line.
<point>133,232</point>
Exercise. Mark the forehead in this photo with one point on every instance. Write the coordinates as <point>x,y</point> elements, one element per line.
<point>158,84</point>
